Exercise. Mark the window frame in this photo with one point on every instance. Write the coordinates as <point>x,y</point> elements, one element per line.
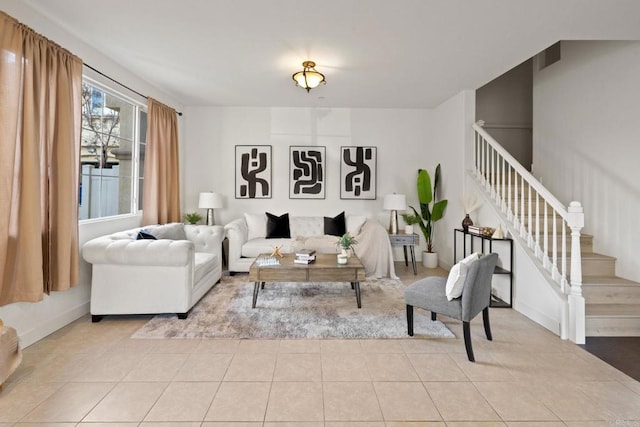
<point>139,104</point>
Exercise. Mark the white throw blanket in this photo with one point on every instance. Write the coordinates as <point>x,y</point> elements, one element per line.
<point>374,250</point>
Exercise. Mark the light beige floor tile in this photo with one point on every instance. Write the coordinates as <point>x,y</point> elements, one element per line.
<point>415,424</point>
<point>632,385</point>
<point>130,345</point>
<point>460,401</point>
<point>566,399</point>
<point>475,424</point>
<point>350,401</point>
<point>390,367</point>
<point>354,424</point>
<point>536,424</point>
<point>298,367</point>
<point>382,346</point>
<point>295,401</point>
<point>299,346</point>
<point>179,346</point>
<point>156,367</point>
<point>230,424</point>
<point>485,368</point>
<point>251,367</point>
<point>110,367</point>
<point>204,367</point>
<point>70,403</point>
<point>258,346</point>
<point>217,346</point>
<point>18,399</point>
<point>340,346</point>
<point>127,402</point>
<point>183,401</point>
<point>620,402</point>
<point>44,424</point>
<point>436,367</point>
<point>239,401</point>
<point>164,424</point>
<point>61,367</point>
<point>427,345</point>
<point>589,424</point>
<point>344,367</point>
<point>293,424</point>
<point>514,403</point>
<point>110,424</point>
<point>405,401</point>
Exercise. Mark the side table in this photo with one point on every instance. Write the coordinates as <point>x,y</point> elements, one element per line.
<point>404,240</point>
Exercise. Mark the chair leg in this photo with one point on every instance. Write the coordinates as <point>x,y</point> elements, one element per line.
<point>487,326</point>
<point>410,320</point>
<point>434,315</point>
<point>466,329</point>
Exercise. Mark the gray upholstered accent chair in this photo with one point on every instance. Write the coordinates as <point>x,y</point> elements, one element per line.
<point>429,294</point>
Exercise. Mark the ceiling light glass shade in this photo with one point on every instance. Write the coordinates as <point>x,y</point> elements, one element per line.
<point>308,78</point>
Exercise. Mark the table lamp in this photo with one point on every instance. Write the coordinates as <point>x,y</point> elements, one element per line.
<point>394,203</point>
<point>210,201</point>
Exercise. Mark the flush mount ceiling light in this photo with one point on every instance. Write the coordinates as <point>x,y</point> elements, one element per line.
<point>308,78</point>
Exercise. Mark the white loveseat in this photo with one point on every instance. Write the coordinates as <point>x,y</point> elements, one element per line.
<point>247,240</point>
<point>167,275</point>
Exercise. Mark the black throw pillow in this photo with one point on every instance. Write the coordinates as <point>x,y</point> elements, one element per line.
<point>335,226</point>
<point>143,235</point>
<point>278,226</point>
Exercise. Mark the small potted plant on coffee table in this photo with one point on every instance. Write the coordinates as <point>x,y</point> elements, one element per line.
<point>346,243</point>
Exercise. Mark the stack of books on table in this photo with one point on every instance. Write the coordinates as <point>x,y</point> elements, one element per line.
<point>474,229</point>
<point>305,256</point>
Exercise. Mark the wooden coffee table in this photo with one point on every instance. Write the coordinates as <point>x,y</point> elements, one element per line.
<point>324,269</point>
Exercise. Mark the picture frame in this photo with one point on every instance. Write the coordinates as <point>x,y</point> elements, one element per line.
<point>307,172</point>
<point>253,178</point>
<point>358,174</point>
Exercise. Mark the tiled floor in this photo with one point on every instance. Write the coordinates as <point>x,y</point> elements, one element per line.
<point>94,375</point>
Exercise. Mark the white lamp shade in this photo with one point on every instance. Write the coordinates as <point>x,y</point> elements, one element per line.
<point>395,202</point>
<point>210,201</point>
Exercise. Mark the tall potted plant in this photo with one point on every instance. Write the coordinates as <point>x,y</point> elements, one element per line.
<point>431,211</point>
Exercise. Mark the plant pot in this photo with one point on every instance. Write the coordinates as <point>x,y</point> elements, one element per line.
<point>408,229</point>
<point>430,259</point>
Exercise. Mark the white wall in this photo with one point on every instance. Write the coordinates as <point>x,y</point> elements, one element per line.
<point>402,138</point>
<point>586,140</point>
<point>34,321</point>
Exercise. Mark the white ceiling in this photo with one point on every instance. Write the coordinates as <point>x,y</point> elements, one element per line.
<point>374,53</point>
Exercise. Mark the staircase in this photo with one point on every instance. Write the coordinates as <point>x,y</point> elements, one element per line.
<point>598,302</point>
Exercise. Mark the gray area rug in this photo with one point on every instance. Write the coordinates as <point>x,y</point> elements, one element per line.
<point>296,310</point>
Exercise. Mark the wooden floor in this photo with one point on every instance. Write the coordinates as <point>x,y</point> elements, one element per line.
<point>622,353</point>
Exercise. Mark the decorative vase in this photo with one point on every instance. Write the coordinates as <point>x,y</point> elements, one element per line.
<point>430,259</point>
<point>408,229</point>
<point>466,222</point>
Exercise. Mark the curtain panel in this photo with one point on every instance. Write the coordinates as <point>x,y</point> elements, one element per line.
<point>161,188</point>
<point>40,113</point>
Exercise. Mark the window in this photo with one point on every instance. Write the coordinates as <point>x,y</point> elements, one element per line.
<point>111,154</point>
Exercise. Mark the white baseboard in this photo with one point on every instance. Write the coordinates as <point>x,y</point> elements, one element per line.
<point>542,319</point>
<point>51,325</point>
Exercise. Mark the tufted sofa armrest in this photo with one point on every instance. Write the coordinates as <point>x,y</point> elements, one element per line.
<point>206,238</point>
<point>109,250</point>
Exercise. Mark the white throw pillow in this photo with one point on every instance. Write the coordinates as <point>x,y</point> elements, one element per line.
<point>354,223</point>
<point>457,276</point>
<point>171,231</point>
<point>256,226</point>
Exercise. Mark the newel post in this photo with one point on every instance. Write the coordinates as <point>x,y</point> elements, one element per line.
<point>575,220</point>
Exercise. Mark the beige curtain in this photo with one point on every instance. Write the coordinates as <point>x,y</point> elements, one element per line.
<point>40,100</point>
<point>161,189</point>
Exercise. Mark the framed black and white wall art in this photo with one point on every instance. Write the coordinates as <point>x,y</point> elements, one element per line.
<point>307,172</point>
<point>253,172</point>
<point>358,173</point>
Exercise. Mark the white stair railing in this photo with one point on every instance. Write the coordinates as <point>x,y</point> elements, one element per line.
<point>539,218</point>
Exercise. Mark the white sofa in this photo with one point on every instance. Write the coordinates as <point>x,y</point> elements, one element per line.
<point>247,240</point>
<point>168,275</point>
